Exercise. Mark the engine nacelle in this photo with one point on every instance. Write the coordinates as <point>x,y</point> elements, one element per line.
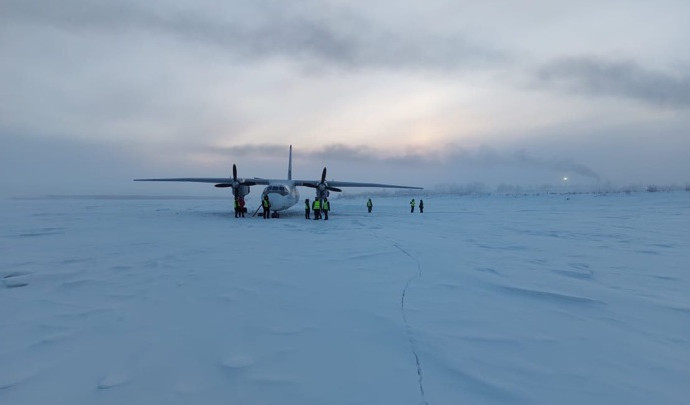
<point>242,191</point>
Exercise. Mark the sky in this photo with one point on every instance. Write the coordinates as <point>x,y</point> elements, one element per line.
<point>95,93</point>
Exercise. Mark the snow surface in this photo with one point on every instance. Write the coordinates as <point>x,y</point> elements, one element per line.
<point>540,299</point>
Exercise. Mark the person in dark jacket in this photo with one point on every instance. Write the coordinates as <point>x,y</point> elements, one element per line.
<point>421,206</point>
<point>370,205</point>
<point>316,205</point>
<point>266,204</point>
<point>325,207</point>
<point>237,207</point>
<point>307,208</point>
<point>243,209</point>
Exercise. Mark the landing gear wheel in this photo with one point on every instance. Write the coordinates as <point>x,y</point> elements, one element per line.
<point>275,215</point>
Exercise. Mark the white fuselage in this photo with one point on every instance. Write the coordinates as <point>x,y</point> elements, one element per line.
<point>282,195</point>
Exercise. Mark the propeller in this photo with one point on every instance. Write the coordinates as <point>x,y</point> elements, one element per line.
<point>322,187</point>
<point>236,184</point>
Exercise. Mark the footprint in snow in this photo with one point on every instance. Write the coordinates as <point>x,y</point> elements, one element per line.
<point>16,279</point>
<point>236,362</point>
<point>113,379</point>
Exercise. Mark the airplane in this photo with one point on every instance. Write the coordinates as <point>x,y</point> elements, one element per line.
<point>282,193</point>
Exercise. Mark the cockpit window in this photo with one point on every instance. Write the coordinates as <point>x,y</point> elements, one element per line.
<point>282,190</point>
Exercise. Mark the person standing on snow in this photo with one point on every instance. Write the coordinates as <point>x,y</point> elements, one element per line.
<point>370,205</point>
<point>412,205</point>
<point>266,204</point>
<point>316,205</point>
<point>325,207</point>
<point>237,207</point>
<point>243,209</point>
<point>307,208</point>
<point>421,206</point>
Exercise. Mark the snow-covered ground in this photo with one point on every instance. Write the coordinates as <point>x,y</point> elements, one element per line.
<point>480,300</point>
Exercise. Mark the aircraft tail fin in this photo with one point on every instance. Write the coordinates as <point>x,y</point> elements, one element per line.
<point>290,165</point>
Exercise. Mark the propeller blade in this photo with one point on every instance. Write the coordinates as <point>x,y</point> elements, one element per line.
<point>323,175</point>
<point>334,189</point>
<point>234,172</point>
<point>223,185</point>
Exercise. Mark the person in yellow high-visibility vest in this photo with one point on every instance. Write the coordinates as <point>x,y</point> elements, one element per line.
<point>412,203</point>
<point>266,204</point>
<point>325,207</point>
<point>317,209</point>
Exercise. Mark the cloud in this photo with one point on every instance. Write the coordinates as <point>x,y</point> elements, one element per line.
<point>51,165</point>
<point>449,156</point>
<point>263,150</point>
<point>330,152</point>
<point>302,32</point>
<point>617,78</point>
<point>354,153</point>
<point>487,157</point>
<point>523,159</point>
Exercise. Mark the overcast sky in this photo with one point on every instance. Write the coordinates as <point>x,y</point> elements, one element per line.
<point>95,93</point>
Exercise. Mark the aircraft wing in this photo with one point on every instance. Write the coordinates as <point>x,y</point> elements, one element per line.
<point>356,184</point>
<point>336,184</point>
<point>216,180</point>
